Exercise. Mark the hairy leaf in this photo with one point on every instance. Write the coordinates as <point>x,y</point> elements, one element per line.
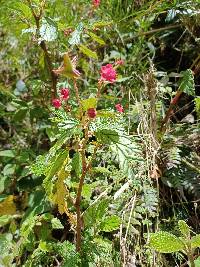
<point>107,136</point>
<point>186,84</point>
<point>165,242</point>
<point>195,241</point>
<point>184,228</point>
<point>110,224</point>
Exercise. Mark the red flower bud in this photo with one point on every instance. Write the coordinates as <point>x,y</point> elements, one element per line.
<point>96,3</point>
<point>56,103</point>
<point>119,108</point>
<point>65,93</point>
<point>91,112</point>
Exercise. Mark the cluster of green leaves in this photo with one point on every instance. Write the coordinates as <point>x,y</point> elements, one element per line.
<point>40,159</point>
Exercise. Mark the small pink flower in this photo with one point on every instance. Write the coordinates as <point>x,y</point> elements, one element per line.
<point>120,62</point>
<point>96,3</point>
<point>65,93</point>
<point>91,112</point>
<point>56,103</point>
<point>119,108</point>
<point>108,73</point>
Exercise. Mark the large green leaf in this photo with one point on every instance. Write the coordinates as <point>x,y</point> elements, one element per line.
<point>7,153</point>
<point>195,241</point>
<point>165,242</point>
<point>76,35</point>
<point>186,83</point>
<point>48,31</point>
<point>56,224</point>
<point>54,168</point>
<point>110,224</point>
<point>107,136</point>
<point>94,214</point>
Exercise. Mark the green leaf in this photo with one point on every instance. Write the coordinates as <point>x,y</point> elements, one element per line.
<point>27,226</point>
<point>20,114</point>
<point>56,224</point>
<point>110,224</point>
<point>9,169</point>
<point>48,32</point>
<point>68,124</point>
<point>184,228</point>
<point>5,243</point>
<point>85,50</point>
<point>7,153</point>
<point>195,241</point>
<point>100,24</point>
<point>94,213</point>
<point>23,9</point>
<point>165,242</point>
<point>55,167</point>
<point>197,262</point>
<point>186,83</point>
<point>89,103</point>
<point>87,191</point>
<point>76,164</point>
<point>76,35</point>
<point>96,38</point>
<point>5,219</point>
<point>107,136</point>
<point>43,246</point>
<point>197,106</point>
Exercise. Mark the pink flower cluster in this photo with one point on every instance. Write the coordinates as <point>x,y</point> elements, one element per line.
<point>57,102</point>
<point>108,73</point>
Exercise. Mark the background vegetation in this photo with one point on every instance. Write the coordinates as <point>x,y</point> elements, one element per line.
<point>91,183</point>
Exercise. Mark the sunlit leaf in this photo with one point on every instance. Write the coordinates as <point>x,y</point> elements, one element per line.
<point>165,242</point>
<point>85,50</point>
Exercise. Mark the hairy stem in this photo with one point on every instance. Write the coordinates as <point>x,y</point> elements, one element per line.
<point>78,202</point>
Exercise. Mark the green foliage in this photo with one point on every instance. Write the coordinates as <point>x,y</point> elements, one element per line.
<point>184,228</point>
<point>165,242</point>
<point>110,224</point>
<point>88,52</point>
<point>108,180</point>
<point>195,241</point>
<point>186,83</point>
<point>107,136</point>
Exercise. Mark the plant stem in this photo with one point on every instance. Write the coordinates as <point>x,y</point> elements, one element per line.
<point>45,50</point>
<point>78,202</point>
<point>191,259</point>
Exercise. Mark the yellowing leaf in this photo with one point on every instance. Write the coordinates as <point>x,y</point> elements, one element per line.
<point>68,68</point>
<point>7,206</point>
<point>61,190</point>
<point>62,193</point>
<point>89,103</point>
